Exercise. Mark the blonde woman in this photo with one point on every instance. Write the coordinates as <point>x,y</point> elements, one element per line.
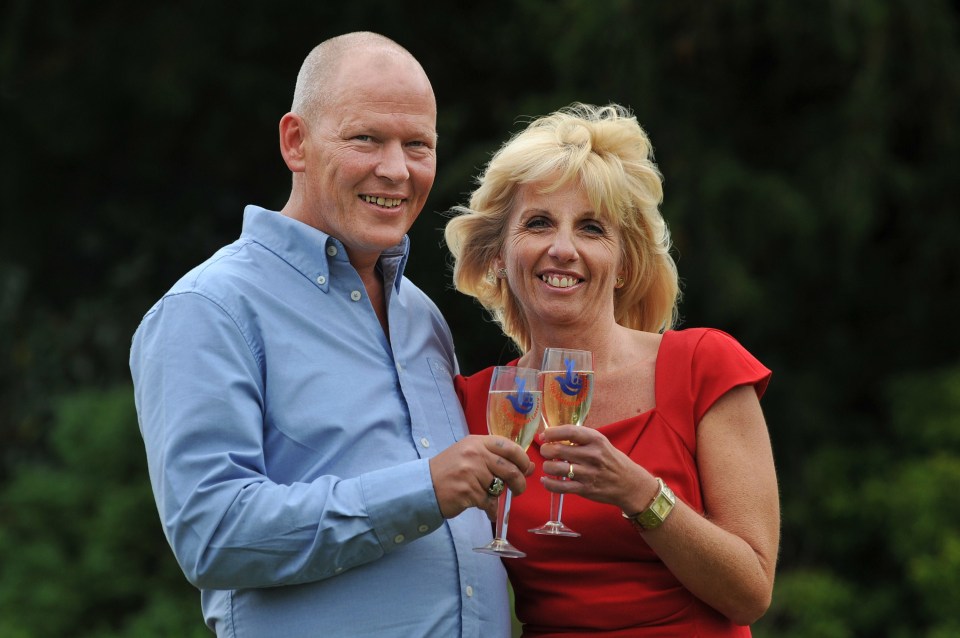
<point>672,478</point>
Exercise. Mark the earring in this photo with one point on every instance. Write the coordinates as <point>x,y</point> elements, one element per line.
<point>502,273</point>
<point>620,282</point>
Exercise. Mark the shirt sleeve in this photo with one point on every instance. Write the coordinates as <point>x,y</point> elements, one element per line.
<point>718,365</point>
<point>200,403</point>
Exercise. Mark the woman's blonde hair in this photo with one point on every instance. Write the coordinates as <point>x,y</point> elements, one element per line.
<point>610,154</point>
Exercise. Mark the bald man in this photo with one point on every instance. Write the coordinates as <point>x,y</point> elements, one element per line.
<point>307,451</point>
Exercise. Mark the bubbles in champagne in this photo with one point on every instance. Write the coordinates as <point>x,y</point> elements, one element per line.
<point>567,396</point>
<point>505,420</point>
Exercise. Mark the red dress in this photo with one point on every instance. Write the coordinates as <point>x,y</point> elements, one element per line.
<point>608,581</point>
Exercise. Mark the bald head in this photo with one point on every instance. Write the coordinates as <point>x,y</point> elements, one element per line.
<point>317,83</point>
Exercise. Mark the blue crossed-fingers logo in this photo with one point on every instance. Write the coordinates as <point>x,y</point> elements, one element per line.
<point>522,401</point>
<point>570,384</point>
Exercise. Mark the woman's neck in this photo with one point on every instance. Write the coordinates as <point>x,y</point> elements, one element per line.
<point>606,343</point>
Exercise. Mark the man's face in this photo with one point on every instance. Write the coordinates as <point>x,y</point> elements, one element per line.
<point>370,154</point>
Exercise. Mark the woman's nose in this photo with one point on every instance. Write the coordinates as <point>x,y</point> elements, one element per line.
<point>563,247</point>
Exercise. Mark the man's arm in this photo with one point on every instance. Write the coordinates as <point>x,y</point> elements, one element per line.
<point>200,402</point>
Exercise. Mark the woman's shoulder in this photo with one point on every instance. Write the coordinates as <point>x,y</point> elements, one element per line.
<point>712,356</point>
<point>696,334</point>
<point>703,341</point>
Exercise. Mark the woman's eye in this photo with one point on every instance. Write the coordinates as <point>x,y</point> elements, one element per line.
<point>536,222</point>
<point>593,228</point>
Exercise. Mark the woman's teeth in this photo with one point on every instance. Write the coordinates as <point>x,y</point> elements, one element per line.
<point>560,282</point>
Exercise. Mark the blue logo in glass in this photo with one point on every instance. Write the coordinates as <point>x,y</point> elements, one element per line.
<point>522,402</point>
<point>570,384</point>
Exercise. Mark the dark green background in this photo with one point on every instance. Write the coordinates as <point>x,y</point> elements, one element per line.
<point>810,151</point>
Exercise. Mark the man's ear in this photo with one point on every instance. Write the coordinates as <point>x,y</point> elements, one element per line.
<point>293,135</point>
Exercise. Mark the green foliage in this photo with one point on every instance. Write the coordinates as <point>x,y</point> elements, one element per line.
<point>882,521</point>
<point>809,150</point>
<point>81,545</point>
<point>809,603</point>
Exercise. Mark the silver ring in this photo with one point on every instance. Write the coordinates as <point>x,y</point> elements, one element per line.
<point>496,487</point>
<point>570,471</point>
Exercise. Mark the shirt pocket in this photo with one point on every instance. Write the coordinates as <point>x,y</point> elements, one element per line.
<point>443,377</point>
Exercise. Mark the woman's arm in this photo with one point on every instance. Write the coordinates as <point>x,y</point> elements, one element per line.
<point>727,558</point>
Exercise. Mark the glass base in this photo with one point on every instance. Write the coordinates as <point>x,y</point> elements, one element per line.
<point>500,547</point>
<point>554,528</point>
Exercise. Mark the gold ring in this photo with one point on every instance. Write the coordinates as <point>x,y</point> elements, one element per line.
<point>570,472</point>
<point>496,487</point>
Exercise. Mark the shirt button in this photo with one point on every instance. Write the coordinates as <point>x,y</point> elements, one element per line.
<point>469,591</point>
<point>423,529</point>
<point>399,538</point>
<point>332,251</point>
<point>338,570</point>
<point>424,442</point>
<point>355,295</point>
<point>321,280</point>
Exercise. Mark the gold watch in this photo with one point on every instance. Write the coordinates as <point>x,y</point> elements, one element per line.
<point>658,510</point>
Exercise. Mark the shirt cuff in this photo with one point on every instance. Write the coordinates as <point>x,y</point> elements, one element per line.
<point>401,503</point>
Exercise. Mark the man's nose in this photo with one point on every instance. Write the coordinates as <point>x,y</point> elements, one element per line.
<point>393,163</point>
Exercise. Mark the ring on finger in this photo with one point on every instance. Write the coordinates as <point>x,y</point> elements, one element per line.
<point>570,471</point>
<point>496,486</point>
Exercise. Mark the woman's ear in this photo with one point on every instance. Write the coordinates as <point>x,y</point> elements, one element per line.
<point>499,270</point>
<point>293,134</point>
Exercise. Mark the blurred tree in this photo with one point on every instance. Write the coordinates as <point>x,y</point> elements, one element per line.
<point>809,150</point>
<point>882,552</point>
<point>81,545</point>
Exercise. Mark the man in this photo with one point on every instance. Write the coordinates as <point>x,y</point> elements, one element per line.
<point>306,447</point>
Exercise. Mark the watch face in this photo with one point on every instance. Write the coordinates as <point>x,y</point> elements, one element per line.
<point>661,506</point>
<point>658,510</point>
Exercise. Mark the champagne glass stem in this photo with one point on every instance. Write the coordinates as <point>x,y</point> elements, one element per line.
<point>503,514</point>
<point>556,507</point>
<point>555,526</point>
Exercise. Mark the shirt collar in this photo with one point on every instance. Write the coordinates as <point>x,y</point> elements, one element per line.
<point>306,248</point>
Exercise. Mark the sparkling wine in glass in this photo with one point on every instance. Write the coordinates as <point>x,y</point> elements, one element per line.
<point>567,381</point>
<point>513,411</point>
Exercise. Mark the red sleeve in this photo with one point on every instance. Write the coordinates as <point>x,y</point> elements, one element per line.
<point>472,392</point>
<point>720,364</point>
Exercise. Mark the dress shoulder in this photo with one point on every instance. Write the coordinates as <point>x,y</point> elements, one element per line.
<point>703,364</point>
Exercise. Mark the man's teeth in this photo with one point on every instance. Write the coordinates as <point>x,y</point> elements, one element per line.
<point>381,201</point>
<point>560,282</point>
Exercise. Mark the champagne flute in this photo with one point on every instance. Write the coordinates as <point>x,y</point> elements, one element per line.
<point>567,378</point>
<point>513,411</point>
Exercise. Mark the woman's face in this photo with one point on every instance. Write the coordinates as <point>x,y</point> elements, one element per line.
<point>562,259</point>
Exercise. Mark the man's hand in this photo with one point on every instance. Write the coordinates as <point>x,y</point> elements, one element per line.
<point>462,473</point>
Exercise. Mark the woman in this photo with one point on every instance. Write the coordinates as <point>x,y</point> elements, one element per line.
<point>564,244</point>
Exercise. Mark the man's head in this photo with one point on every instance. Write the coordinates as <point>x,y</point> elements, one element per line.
<point>361,142</point>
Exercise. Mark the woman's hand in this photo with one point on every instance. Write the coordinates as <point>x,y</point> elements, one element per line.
<point>601,472</point>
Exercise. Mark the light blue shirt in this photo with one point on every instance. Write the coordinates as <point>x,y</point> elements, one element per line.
<point>288,444</point>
